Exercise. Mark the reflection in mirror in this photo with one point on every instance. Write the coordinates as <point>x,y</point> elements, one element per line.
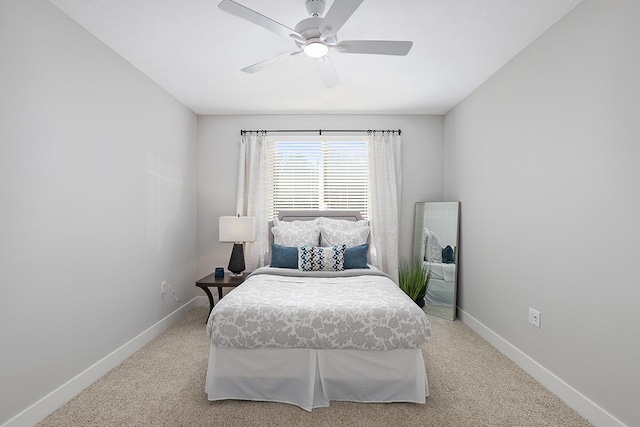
<point>435,242</point>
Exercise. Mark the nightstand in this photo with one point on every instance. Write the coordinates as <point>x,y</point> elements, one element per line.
<point>211,281</point>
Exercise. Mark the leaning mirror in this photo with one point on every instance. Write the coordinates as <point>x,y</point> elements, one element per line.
<point>435,242</point>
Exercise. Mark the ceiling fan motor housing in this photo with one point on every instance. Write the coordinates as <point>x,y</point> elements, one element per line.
<point>315,7</point>
<point>309,29</point>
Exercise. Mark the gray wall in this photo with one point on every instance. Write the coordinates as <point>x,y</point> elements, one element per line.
<point>544,158</point>
<point>218,149</point>
<point>98,202</point>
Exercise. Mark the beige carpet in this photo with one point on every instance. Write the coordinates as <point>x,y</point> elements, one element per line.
<point>471,384</point>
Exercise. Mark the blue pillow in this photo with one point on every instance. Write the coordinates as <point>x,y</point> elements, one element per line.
<point>284,256</point>
<point>356,257</point>
<point>448,255</point>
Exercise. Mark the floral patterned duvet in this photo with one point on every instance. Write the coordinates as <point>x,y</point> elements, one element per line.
<point>356,309</point>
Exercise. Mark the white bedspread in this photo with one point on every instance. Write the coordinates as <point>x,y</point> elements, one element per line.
<point>363,312</point>
<point>445,272</point>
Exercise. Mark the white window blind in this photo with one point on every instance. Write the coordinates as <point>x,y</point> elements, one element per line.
<point>318,174</point>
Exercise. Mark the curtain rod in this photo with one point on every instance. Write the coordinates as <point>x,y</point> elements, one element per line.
<point>242,132</point>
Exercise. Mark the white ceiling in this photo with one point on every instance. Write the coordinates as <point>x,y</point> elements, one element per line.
<point>195,51</point>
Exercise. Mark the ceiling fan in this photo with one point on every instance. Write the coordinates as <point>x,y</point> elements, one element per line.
<point>316,36</point>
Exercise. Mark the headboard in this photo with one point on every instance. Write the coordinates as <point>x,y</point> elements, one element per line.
<point>308,215</point>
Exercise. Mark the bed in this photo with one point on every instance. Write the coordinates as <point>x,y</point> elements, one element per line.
<point>442,284</point>
<point>309,335</point>
<point>440,260</point>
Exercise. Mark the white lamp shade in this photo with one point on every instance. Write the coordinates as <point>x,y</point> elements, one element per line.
<point>237,228</point>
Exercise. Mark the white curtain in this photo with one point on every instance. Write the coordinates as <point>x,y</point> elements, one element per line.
<point>253,193</point>
<point>385,189</point>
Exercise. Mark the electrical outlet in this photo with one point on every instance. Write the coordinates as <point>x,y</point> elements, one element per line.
<point>163,287</point>
<point>534,317</point>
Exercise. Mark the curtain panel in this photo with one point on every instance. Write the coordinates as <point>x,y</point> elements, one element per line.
<point>385,189</point>
<point>254,187</point>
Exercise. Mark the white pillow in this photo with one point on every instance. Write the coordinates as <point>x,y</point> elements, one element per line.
<point>296,223</point>
<point>295,233</point>
<point>343,232</point>
<point>425,239</point>
<point>341,223</point>
<point>433,247</point>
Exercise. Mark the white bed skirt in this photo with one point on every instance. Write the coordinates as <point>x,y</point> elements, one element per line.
<point>442,284</point>
<point>440,292</point>
<point>311,378</point>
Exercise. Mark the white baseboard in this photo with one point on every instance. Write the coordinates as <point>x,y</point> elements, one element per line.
<point>45,406</point>
<point>572,397</point>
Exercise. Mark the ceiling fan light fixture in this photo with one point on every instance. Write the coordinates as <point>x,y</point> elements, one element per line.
<point>316,48</point>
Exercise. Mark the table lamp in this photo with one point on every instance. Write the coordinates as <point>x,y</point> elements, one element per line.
<point>237,229</point>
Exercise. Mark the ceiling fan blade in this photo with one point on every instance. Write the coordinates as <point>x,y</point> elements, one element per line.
<point>336,16</point>
<point>378,47</point>
<point>269,62</point>
<point>250,15</point>
<point>327,72</point>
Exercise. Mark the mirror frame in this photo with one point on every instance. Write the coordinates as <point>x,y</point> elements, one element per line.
<point>418,244</point>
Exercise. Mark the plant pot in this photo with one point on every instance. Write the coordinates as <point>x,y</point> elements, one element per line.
<point>420,302</point>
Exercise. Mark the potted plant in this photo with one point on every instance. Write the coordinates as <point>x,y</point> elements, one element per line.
<point>414,278</point>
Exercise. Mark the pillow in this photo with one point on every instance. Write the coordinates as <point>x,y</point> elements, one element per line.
<point>343,232</point>
<point>356,257</point>
<point>296,223</point>
<point>425,239</point>
<point>311,258</point>
<point>296,233</point>
<point>341,223</point>
<point>284,256</point>
<point>448,255</point>
<point>433,247</point>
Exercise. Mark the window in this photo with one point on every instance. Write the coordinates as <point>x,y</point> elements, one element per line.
<point>321,173</point>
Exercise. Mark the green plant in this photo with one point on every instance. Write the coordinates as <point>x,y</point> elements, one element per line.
<point>414,278</point>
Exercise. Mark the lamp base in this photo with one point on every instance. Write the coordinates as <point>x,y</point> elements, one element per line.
<point>236,262</point>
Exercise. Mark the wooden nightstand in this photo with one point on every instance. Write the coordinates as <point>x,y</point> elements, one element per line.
<point>211,281</point>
